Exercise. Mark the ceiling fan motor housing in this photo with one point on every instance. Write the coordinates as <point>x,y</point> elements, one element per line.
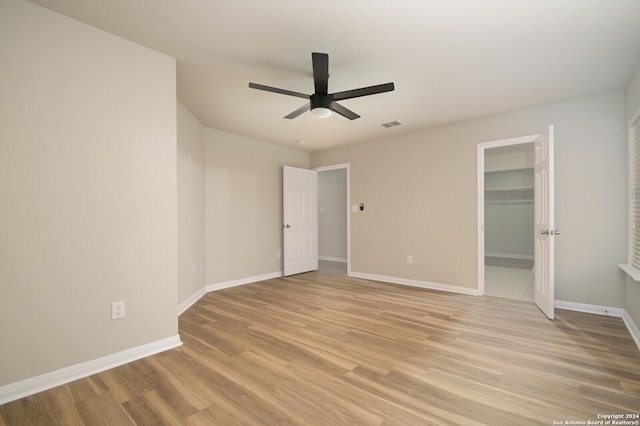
<point>318,100</point>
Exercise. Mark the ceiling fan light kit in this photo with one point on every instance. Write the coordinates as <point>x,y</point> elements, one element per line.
<point>321,112</point>
<point>321,103</point>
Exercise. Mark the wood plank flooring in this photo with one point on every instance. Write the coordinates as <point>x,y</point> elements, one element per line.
<point>323,349</point>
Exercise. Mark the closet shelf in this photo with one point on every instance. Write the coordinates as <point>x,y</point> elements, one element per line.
<point>521,188</point>
<point>511,195</point>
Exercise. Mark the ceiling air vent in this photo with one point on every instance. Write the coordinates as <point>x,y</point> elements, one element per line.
<point>392,124</point>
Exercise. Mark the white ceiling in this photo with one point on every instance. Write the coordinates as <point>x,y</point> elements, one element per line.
<point>450,60</point>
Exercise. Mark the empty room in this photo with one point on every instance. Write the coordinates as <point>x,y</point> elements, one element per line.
<point>292,212</point>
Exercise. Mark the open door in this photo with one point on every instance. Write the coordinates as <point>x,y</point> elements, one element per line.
<point>300,228</point>
<point>544,227</point>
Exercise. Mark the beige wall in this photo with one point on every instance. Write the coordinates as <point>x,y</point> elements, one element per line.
<point>190,205</point>
<point>88,184</point>
<point>243,205</point>
<point>420,195</point>
<point>632,287</point>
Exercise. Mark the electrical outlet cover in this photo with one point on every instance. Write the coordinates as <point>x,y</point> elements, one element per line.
<point>117,310</point>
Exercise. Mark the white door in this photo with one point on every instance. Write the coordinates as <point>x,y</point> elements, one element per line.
<point>300,226</point>
<point>544,229</point>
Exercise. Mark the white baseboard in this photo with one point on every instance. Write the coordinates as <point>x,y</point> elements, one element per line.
<point>603,310</point>
<point>182,307</point>
<point>242,281</point>
<point>632,327</point>
<point>65,375</point>
<point>416,283</point>
<point>333,259</point>
<point>222,285</point>
<point>589,309</point>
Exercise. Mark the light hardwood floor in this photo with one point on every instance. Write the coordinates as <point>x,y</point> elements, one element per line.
<point>326,349</point>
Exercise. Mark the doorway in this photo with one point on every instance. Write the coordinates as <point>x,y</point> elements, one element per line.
<point>544,206</point>
<point>506,218</point>
<point>334,219</point>
<point>509,221</point>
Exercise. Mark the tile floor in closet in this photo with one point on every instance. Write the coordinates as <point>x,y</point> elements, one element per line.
<point>509,282</point>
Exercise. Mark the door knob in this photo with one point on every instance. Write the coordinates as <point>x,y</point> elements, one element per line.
<point>556,232</point>
<point>544,232</point>
<point>287,226</point>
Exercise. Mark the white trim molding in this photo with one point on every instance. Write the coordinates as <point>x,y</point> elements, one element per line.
<point>242,281</point>
<point>603,310</point>
<point>631,326</point>
<point>65,375</point>
<point>589,309</point>
<point>222,285</point>
<point>416,283</point>
<point>631,270</point>
<point>189,302</point>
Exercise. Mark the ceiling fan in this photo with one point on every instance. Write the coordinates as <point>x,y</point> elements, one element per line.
<point>322,103</point>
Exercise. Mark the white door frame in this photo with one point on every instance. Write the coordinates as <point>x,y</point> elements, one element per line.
<point>347,167</point>
<point>481,151</point>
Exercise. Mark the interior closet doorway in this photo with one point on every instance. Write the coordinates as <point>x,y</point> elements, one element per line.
<point>507,219</point>
<point>334,219</point>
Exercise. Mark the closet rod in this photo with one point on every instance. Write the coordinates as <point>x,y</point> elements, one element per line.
<point>522,188</point>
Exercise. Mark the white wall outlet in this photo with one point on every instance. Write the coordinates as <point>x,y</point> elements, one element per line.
<point>117,310</point>
<point>278,254</point>
<point>409,259</point>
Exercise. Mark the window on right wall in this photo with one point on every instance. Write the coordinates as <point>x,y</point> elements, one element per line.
<point>634,189</point>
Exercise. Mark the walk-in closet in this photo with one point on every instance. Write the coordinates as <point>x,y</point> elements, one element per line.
<point>509,222</point>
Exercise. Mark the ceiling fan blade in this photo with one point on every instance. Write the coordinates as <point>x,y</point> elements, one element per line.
<point>364,91</point>
<point>320,72</point>
<point>276,90</point>
<point>298,112</point>
<point>345,112</point>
